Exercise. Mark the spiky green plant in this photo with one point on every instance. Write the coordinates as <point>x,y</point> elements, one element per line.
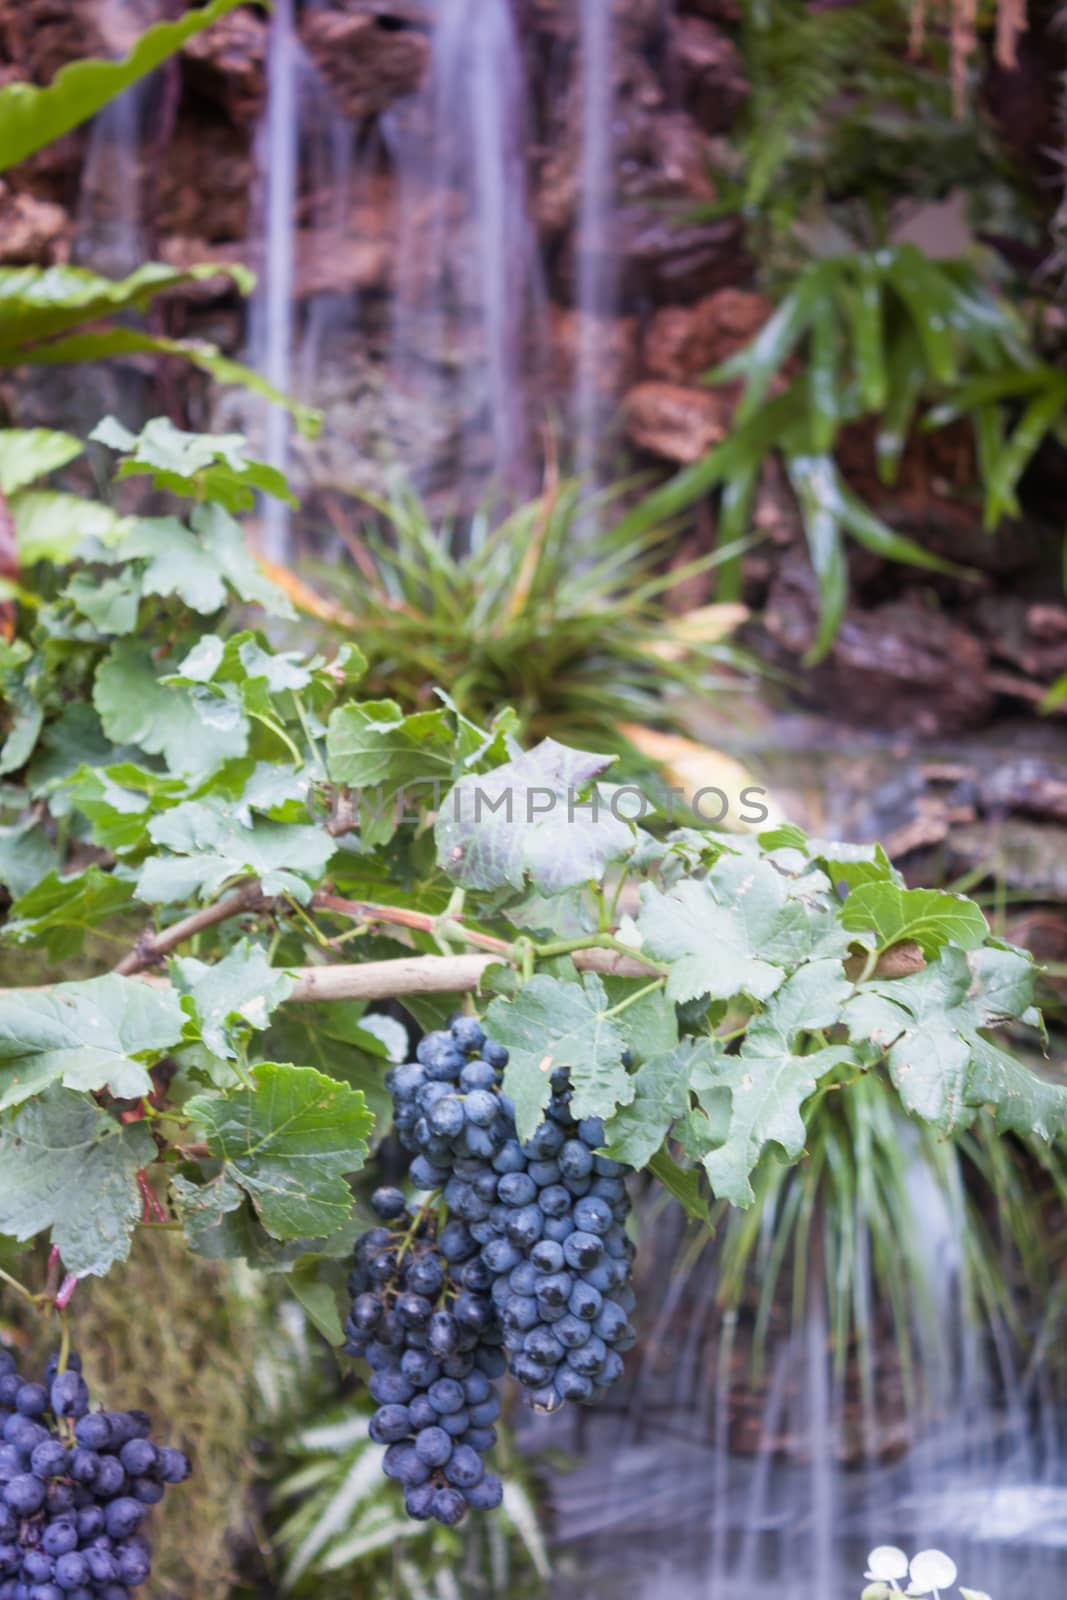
<point>556,609</point>
<point>854,1222</point>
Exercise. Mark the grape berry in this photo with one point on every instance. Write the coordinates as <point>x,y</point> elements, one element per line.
<point>518,1258</point>
<point>75,1486</point>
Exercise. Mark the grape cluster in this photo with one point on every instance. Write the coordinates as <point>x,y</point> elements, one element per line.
<point>518,1260</point>
<point>422,1318</point>
<point>75,1486</point>
<point>557,1246</point>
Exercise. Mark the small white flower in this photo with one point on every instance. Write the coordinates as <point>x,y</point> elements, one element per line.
<point>887,1562</point>
<point>931,1570</point>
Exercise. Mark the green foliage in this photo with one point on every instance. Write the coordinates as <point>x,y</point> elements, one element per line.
<point>843,121</point>
<point>204,803</point>
<point>52,316</point>
<point>338,1512</point>
<point>889,335</point>
<point>31,117</point>
<point>555,610</point>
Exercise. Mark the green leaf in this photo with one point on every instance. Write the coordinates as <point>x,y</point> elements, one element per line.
<point>766,1094</point>
<point>761,361</point>
<point>930,917</point>
<point>211,846</point>
<point>863,307</point>
<point>92,1035</point>
<point>199,566</point>
<point>853,864</point>
<point>236,994</point>
<point>319,1301</point>
<point>27,454</point>
<point>812,478</point>
<point>68,1167</point>
<point>119,802</point>
<point>730,935</point>
<point>823,398</point>
<point>809,1001</point>
<point>27,854</point>
<point>51,526</point>
<point>683,1183</point>
<point>289,1144</point>
<point>906,381</point>
<point>538,818</point>
<point>931,299</point>
<point>1029,433</point>
<point>194,732</point>
<point>373,746</point>
<point>549,1025</point>
<point>211,466</point>
<point>661,1093</point>
<point>112,605</point>
<point>31,117</point>
<point>933,1026</point>
<point>59,911</point>
<point>39,302</point>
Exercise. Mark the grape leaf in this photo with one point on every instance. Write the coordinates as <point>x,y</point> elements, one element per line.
<point>88,1036</point>
<point>538,818</point>
<point>549,1025</point>
<point>52,526</point>
<point>732,934</point>
<point>766,1094</point>
<point>811,999</point>
<point>27,854</point>
<point>27,454</point>
<point>929,917</point>
<point>683,1183</point>
<point>318,1299</point>
<point>194,732</point>
<point>373,745</point>
<point>204,1208</point>
<point>661,1094</point>
<point>119,802</point>
<point>67,1166</point>
<point>931,1025</point>
<point>211,846</point>
<point>209,466</point>
<point>649,1025</point>
<point>289,1143</point>
<point>59,911</point>
<point>855,864</point>
<point>241,989</point>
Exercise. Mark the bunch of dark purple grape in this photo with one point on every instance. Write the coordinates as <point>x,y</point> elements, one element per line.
<point>422,1318</point>
<point>519,1246</point>
<point>75,1486</point>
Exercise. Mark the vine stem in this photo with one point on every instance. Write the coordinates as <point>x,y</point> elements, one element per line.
<point>19,1288</point>
<point>632,999</point>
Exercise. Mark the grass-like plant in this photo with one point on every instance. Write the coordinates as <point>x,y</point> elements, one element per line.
<point>558,609</point>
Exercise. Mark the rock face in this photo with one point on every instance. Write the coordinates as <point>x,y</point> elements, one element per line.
<point>372,216</point>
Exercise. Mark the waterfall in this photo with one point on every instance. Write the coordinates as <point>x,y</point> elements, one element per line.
<point>109,229</point>
<point>595,279</point>
<point>700,1483</point>
<point>467,277</point>
<point>272,321</point>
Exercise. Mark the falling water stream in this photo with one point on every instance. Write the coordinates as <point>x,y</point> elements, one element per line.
<point>594,278</point>
<point>273,311</point>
